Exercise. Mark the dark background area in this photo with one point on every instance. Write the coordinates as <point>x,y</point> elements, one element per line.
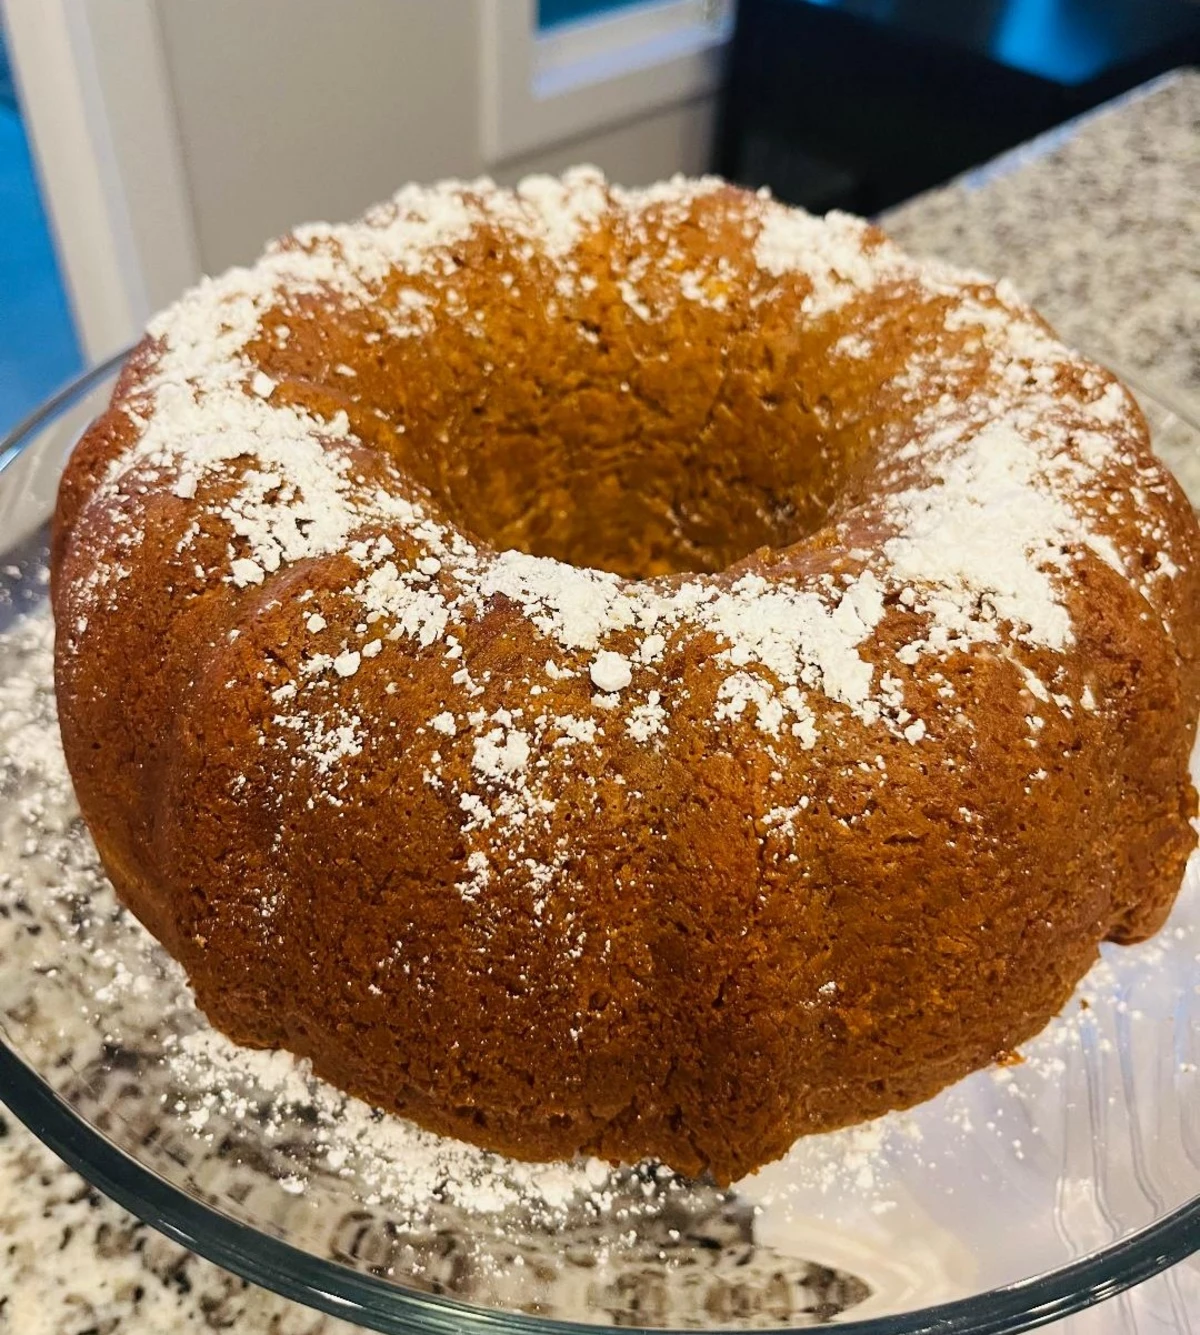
<point>858,104</point>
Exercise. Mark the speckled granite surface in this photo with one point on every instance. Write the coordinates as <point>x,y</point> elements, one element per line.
<point>72,1263</point>
<point>1099,225</point>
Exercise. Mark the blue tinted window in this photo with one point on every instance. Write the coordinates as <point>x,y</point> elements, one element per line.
<point>553,12</point>
<point>37,334</point>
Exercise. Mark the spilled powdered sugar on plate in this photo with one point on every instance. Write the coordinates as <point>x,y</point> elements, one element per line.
<point>871,1220</point>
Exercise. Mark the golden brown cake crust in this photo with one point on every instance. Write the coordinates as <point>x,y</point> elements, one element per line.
<point>644,673</point>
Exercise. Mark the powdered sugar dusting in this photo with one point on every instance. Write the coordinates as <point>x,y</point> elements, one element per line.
<point>985,545</point>
<point>611,671</point>
<point>830,252</point>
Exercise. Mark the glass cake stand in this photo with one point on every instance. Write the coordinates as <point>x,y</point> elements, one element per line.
<point>1022,1194</point>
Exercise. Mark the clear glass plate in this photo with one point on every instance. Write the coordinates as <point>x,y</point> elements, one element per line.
<point>1022,1194</point>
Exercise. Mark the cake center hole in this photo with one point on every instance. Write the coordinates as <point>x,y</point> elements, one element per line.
<point>637,479</point>
<point>601,440</point>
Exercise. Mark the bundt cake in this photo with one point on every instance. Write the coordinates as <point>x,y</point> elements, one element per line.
<point>637,672</point>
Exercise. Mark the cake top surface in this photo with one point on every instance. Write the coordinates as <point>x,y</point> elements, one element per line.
<point>989,499</point>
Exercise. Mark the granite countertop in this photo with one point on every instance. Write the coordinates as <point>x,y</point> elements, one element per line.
<point>1098,224</point>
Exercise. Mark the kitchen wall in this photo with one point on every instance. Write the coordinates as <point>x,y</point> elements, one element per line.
<point>299,109</point>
